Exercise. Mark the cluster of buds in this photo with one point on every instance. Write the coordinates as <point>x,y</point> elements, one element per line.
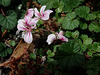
<point>29,23</point>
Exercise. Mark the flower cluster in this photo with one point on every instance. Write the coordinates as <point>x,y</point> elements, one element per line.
<point>56,36</point>
<point>28,23</point>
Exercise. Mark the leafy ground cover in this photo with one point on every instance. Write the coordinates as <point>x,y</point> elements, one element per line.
<point>64,43</point>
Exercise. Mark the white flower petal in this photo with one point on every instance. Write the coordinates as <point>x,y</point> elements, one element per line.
<point>46,14</point>
<point>28,37</point>
<point>30,12</point>
<point>42,9</point>
<point>33,21</point>
<point>37,14</point>
<point>27,19</point>
<point>21,25</point>
<point>62,38</point>
<point>61,33</point>
<point>50,38</point>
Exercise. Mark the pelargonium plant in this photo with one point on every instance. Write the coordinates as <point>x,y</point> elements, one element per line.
<point>29,22</point>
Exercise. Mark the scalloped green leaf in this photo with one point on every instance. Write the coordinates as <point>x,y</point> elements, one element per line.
<point>68,34</point>
<point>69,5</point>
<point>84,37</point>
<point>4,51</point>
<point>69,22</point>
<point>49,3</point>
<point>5,2</point>
<point>82,11</point>
<point>90,17</point>
<point>94,27</point>
<point>88,41</point>
<point>83,25</point>
<point>75,34</point>
<point>68,54</point>
<point>8,22</point>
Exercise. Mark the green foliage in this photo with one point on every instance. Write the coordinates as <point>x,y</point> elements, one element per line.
<point>61,5</point>
<point>83,25</point>
<point>69,22</point>
<point>70,4</point>
<point>4,51</point>
<point>8,22</point>
<point>75,34</point>
<point>12,43</point>
<point>88,41</point>
<point>90,17</point>
<point>69,55</point>
<point>32,56</point>
<point>82,11</point>
<point>93,66</point>
<point>50,54</point>
<point>5,2</point>
<point>68,34</point>
<point>94,27</point>
<point>83,37</point>
<point>49,3</point>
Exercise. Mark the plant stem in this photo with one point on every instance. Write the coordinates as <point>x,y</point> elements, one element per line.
<point>3,12</point>
<point>4,32</point>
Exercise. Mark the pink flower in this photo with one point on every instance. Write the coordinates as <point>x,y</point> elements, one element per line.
<point>26,25</point>
<point>44,15</point>
<point>30,13</point>
<point>56,36</point>
<point>61,37</point>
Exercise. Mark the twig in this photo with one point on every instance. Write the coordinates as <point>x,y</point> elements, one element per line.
<point>3,12</point>
<point>75,35</point>
<point>4,32</point>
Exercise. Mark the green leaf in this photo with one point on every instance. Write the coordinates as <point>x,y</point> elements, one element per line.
<point>68,55</point>
<point>90,17</point>
<point>32,56</point>
<point>50,54</point>
<point>68,34</point>
<point>83,47</point>
<point>90,53</point>
<point>2,46</point>
<point>82,11</point>
<point>8,22</point>
<point>75,34</point>
<point>94,27</point>
<point>69,22</point>
<point>95,45</point>
<point>4,51</point>
<point>88,41</point>
<point>49,3</point>
<point>59,9</point>
<point>9,50</point>
<point>12,43</point>
<point>5,2</point>
<point>83,25</point>
<point>40,21</point>
<point>98,49</point>
<point>83,37</point>
<point>69,5</point>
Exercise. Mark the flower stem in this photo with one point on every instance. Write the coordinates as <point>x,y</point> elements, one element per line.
<point>3,12</point>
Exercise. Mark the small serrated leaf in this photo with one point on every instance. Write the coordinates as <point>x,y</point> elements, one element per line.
<point>88,41</point>
<point>94,27</point>
<point>69,22</point>
<point>82,11</point>
<point>5,2</point>
<point>8,22</point>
